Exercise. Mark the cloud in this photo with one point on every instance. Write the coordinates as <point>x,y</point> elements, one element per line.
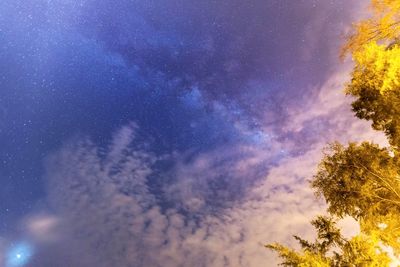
<point>214,208</point>
<point>218,178</point>
<point>327,117</point>
<point>109,205</point>
<point>42,228</point>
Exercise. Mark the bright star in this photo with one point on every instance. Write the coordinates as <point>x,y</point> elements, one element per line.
<point>19,255</point>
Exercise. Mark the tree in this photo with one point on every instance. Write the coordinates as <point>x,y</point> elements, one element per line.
<point>362,180</point>
<point>331,249</point>
<point>383,27</point>
<point>375,84</point>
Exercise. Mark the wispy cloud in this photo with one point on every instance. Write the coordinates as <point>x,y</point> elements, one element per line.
<point>216,208</point>
<point>107,201</point>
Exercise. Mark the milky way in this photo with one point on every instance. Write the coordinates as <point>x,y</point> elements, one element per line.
<point>148,133</point>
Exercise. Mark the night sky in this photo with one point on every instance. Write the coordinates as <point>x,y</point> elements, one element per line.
<point>166,133</point>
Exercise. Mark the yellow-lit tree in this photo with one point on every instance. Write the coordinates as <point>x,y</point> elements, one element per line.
<point>383,27</point>
<point>362,180</point>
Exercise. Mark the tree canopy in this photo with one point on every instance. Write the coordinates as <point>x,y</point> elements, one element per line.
<point>362,180</point>
<point>375,84</point>
<point>383,26</point>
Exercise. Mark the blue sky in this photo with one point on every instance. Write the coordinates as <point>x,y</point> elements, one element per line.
<point>135,130</point>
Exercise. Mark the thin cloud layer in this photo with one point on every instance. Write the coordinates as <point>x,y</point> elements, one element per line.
<point>110,211</point>
<point>218,209</point>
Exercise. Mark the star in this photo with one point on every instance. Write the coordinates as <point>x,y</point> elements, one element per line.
<point>19,255</point>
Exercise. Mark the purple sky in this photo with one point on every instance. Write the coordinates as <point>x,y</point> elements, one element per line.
<point>166,133</point>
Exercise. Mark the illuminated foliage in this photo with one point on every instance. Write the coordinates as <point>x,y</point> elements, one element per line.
<point>362,180</point>
<point>376,85</point>
<point>331,249</point>
<point>382,27</point>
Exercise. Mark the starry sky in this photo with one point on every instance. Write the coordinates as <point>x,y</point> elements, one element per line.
<point>166,133</point>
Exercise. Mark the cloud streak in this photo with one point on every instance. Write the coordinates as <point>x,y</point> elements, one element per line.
<point>216,208</point>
